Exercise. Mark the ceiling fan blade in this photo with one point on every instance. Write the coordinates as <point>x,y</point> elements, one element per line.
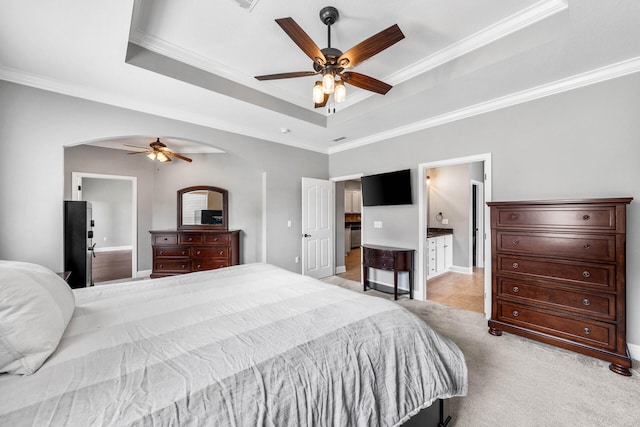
<point>371,46</point>
<point>323,103</point>
<point>287,75</point>
<point>136,146</point>
<point>139,152</point>
<point>365,82</point>
<point>302,39</point>
<point>179,156</point>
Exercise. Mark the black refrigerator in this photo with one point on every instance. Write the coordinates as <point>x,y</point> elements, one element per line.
<point>78,243</point>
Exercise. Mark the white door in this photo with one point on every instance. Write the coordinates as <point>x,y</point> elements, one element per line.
<point>317,227</point>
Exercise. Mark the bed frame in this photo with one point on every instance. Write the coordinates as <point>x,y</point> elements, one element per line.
<point>436,415</point>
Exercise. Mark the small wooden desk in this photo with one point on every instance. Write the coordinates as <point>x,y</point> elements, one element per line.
<point>389,259</point>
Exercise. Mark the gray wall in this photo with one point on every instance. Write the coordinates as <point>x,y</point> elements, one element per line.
<point>579,144</point>
<point>449,193</point>
<point>35,125</point>
<point>110,209</point>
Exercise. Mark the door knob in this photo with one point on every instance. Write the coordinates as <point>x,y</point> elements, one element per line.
<point>306,235</point>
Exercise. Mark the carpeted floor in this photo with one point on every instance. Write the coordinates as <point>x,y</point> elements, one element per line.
<point>516,382</point>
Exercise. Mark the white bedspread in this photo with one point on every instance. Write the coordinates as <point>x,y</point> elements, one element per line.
<point>242,346</point>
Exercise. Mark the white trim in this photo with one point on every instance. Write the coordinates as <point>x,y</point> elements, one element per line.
<point>634,351</point>
<point>341,269</point>
<point>76,180</point>
<point>481,232</point>
<point>137,104</point>
<point>420,290</point>
<point>347,177</point>
<point>264,217</point>
<point>516,22</point>
<point>462,270</point>
<point>143,273</point>
<point>588,78</point>
<point>608,72</point>
<point>495,32</point>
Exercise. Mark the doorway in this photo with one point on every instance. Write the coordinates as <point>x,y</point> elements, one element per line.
<point>348,229</point>
<point>114,205</point>
<point>473,276</point>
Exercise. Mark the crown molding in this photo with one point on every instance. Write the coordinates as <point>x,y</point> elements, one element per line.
<point>598,75</point>
<point>109,98</point>
<point>518,21</point>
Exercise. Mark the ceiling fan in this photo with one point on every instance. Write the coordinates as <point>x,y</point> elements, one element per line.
<point>331,63</point>
<point>157,150</point>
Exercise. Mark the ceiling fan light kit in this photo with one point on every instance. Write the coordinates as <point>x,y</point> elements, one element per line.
<point>331,63</point>
<point>158,151</point>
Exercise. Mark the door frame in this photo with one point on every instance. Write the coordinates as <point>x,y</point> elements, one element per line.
<point>420,291</point>
<point>479,253</point>
<point>76,194</point>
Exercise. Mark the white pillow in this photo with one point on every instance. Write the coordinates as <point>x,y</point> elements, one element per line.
<point>35,308</point>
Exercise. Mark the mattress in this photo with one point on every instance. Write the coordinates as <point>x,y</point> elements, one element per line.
<point>241,346</point>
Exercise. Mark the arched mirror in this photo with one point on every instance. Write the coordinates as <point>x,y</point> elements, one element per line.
<point>202,207</point>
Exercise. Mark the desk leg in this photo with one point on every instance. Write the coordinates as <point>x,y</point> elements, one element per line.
<point>410,284</point>
<point>365,278</point>
<point>395,284</point>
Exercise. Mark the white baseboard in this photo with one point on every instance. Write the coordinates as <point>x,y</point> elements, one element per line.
<point>341,269</point>
<point>634,351</point>
<point>463,270</point>
<point>143,274</point>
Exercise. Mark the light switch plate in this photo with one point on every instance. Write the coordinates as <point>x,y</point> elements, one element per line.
<point>445,221</point>
<point>377,224</point>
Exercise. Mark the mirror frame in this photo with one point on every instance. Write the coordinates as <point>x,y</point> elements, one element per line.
<point>225,211</point>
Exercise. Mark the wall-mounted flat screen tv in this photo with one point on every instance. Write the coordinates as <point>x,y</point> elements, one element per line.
<point>385,189</point>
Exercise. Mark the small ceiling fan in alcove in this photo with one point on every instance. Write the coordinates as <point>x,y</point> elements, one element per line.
<point>158,151</point>
<point>332,64</point>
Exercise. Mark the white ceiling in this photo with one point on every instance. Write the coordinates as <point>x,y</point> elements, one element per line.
<point>195,60</point>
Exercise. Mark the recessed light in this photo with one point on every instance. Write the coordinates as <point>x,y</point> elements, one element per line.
<point>285,130</point>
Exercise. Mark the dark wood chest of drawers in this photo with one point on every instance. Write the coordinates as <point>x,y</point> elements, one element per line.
<point>558,275</point>
<point>179,252</point>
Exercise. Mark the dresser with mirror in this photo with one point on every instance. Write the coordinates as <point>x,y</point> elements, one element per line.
<point>202,240</point>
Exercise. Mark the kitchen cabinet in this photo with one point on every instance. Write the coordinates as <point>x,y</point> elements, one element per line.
<point>440,255</point>
<point>352,201</point>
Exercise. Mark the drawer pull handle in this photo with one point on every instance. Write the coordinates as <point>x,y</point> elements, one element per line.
<point>161,252</point>
<point>515,242</point>
<point>184,252</point>
<point>183,266</point>
<point>516,289</point>
<point>515,216</point>
<point>198,253</point>
<point>586,246</point>
<point>198,267</point>
<point>190,239</point>
<point>515,265</point>
<point>221,252</point>
<point>515,313</point>
<point>165,239</point>
<point>215,239</point>
<point>586,274</point>
<point>586,217</point>
<point>586,301</point>
<point>587,331</point>
<point>161,266</point>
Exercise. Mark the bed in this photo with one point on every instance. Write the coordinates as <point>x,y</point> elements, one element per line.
<point>246,345</point>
